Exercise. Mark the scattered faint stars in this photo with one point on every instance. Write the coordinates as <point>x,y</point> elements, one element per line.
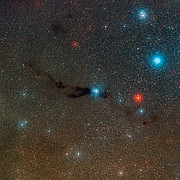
<point>89,90</point>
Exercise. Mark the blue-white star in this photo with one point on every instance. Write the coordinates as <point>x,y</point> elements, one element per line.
<point>157,60</point>
<point>24,93</point>
<point>23,123</point>
<point>141,111</point>
<point>95,92</point>
<point>78,154</point>
<point>142,14</point>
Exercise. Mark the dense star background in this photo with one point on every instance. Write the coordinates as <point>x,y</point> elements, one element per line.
<point>128,49</point>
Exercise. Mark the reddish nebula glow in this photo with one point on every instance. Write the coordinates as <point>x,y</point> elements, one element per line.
<point>75,44</point>
<point>138,98</point>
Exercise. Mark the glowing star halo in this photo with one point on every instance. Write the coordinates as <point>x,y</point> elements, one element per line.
<point>142,14</point>
<point>95,92</point>
<point>75,44</point>
<point>138,98</point>
<point>141,111</point>
<point>157,60</point>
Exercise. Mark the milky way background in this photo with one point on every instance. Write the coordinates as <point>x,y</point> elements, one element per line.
<point>106,52</point>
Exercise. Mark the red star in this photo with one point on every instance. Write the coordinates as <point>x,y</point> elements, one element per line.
<point>75,44</point>
<point>138,98</point>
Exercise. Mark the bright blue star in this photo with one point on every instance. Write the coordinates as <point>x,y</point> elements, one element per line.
<point>157,60</point>
<point>142,14</point>
<point>95,92</point>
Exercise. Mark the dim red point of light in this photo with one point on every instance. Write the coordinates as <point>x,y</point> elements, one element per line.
<point>75,44</point>
<point>122,18</point>
<point>138,98</point>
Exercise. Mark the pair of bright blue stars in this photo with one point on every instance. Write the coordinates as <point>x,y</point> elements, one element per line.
<point>157,59</point>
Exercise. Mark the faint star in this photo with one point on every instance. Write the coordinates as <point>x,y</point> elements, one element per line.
<point>120,100</point>
<point>78,154</point>
<point>120,173</point>
<point>22,123</point>
<point>141,111</point>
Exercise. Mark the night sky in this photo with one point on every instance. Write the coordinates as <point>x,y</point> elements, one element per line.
<point>89,90</point>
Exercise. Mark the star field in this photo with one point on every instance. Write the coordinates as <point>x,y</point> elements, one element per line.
<point>89,90</point>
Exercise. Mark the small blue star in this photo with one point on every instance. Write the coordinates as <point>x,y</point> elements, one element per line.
<point>23,123</point>
<point>141,111</point>
<point>24,93</point>
<point>78,154</point>
<point>120,100</point>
